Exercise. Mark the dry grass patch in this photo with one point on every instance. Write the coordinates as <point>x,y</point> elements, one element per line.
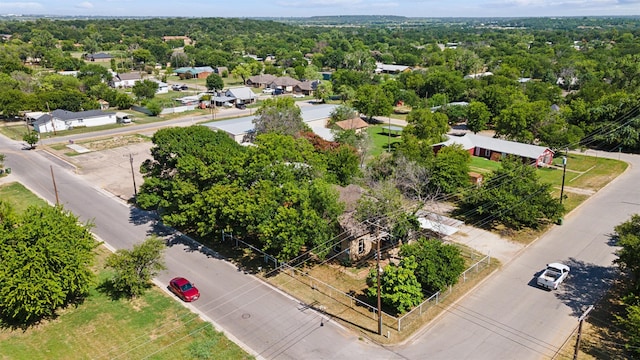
<point>323,288</point>
<point>114,142</point>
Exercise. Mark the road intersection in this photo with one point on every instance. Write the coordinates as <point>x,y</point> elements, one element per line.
<point>504,318</point>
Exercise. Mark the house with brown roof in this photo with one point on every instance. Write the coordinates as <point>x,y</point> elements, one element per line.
<point>356,124</point>
<point>285,83</point>
<point>306,87</point>
<point>261,80</point>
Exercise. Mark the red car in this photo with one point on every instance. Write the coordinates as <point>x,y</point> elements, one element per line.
<point>184,289</point>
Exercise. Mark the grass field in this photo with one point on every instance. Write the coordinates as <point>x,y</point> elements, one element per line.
<point>381,139</point>
<point>153,326</point>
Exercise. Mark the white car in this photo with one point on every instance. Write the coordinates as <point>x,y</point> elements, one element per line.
<point>553,276</point>
<point>298,95</point>
<point>267,91</point>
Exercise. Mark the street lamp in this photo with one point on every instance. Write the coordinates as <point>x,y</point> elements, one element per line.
<point>564,172</point>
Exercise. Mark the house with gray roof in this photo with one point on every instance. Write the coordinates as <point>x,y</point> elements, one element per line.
<point>59,120</point>
<point>126,80</point>
<point>495,149</point>
<point>98,57</point>
<point>241,94</point>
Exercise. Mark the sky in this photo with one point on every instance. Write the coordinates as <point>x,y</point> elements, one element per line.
<point>306,8</point>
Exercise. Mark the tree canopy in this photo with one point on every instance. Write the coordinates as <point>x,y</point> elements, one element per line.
<point>277,194</point>
<point>512,195</point>
<point>135,268</point>
<point>438,264</point>
<point>45,259</point>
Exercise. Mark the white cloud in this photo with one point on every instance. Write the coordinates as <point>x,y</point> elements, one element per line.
<point>85,5</point>
<point>20,6</point>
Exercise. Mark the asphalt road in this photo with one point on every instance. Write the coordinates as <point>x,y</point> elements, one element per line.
<point>264,321</point>
<point>505,318</point>
<point>508,317</point>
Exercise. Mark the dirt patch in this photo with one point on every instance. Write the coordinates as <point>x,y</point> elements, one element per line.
<point>114,142</point>
<point>112,166</point>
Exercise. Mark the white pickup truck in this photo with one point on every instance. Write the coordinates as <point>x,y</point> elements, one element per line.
<point>553,275</point>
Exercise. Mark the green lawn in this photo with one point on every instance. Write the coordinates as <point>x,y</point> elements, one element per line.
<point>154,325</point>
<point>483,165</point>
<point>381,139</point>
<point>19,197</point>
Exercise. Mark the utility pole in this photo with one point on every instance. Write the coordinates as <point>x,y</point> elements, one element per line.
<point>564,172</point>
<point>53,121</point>
<point>133,176</point>
<point>389,136</point>
<point>55,188</point>
<point>581,320</point>
<point>378,271</point>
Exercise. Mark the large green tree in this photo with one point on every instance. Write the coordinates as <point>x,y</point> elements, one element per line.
<point>438,264</point>
<point>214,82</point>
<point>279,115</point>
<point>399,288</point>
<point>372,101</point>
<point>628,234</point>
<point>449,171</point>
<point>135,268</point>
<point>275,194</point>
<point>478,116</point>
<point>512,195</point>
<point>45,259</point>
<point>145,89</point>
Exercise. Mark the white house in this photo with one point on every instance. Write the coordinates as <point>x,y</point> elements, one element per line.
<point>242,94</point>
<point>126,79</point>
<point>64,120</point>
<point>163,88</point>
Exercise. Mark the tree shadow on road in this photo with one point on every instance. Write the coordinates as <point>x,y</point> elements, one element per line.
<point>586,285</point>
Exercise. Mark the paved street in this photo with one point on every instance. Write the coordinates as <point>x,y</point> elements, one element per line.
<point>505,318</point>
<point>508,317</point>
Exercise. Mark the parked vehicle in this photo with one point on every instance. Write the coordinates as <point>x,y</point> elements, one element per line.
<point>240,105</point>
<point>184,289</point>
<point>227,104</point>
<point>297,96</point>
<point>267,91</point>
<point>278,92</point>
<point>177,87</point>
<point>553,276</point>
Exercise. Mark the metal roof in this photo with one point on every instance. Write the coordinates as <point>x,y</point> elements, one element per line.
<point>243,125</point>
<point>469,141</point>
<point>242,93</point>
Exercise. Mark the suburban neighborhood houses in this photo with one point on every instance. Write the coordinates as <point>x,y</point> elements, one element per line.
<point>323,187</point>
